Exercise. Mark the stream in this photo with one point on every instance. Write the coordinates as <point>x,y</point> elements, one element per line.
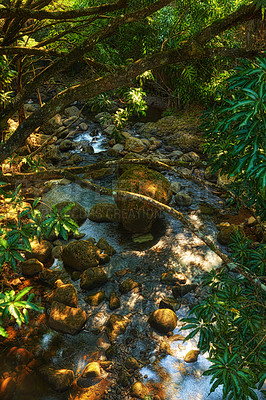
<point>173,247</point>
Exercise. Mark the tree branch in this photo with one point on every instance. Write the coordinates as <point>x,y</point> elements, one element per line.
<point>28,51</point>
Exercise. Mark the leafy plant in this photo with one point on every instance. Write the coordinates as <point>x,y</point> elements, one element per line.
<point>102,102</point>
<point>230,324</point>
<point>12,306</point>
<point>235,135</point>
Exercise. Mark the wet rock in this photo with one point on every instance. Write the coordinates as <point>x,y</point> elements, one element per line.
<point>190,157</point>
<point>100,173</point>
<point>92,370</point>
<point>225,235</point>
<point>59,379</point>
<point>41,251</point>
<point>128,285</point>
<point>183,199</point>
<point>176,187</point>
<point>83,126</point>
<point>176,154</point>
<point>192,356</point>
<point>170,303</point>
<point>104,258</point>
<point>110,129</point>
<point>66,294</point>
<point>132,363</point>
<point>77,212</point>
<point>7,388</point>
<point>96,298</point>
<point>102,244</point>
<point>75,159</point>
<point>163,320</point>
<point>114,301</point>
<point>135,145</point>
<point>80,255</point>
<point>118,147</point>
<point>173,278</point>
<point>57,252</point>
<point>208,209</point>
<point>75,275</point>
<point>19,355</point>
<point>116,325</point>
<point>125,167</point>
<point>66,319</point>
<point>149,129</point>
<point>72,111</point>
<point>136,216</point>
<point>181,290</point>
<point>93,278</point>
<point>139,390</point>
<point>104,212</point>
<point>165,348</point>
<point>31,267</point>
<point>66,145</point>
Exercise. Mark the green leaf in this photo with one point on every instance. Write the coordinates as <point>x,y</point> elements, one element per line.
<point>23,292</point>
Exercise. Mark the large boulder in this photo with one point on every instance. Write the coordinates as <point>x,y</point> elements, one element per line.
<point>31,267</point>
<point>77,212</point>
<point>41,251</point>
<point>52,125</point>
<point>135,145</point>
<point>93,278</point>
<point>163,320</point>
<point>80,255</point>
<point>66,319</point>
<point>136,215</point>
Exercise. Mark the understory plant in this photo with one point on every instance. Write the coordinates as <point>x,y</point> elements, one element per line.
<point>235,135</point>
<point>230,324</point>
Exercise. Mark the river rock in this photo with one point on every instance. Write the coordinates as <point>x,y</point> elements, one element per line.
<point>170,303</point>
<point>66,319</point>
<point>75,159</point>
<point>181,290</point>
<point>59,379</point>
<point>65,294</point>
<point>135,145</point>
<point>104,212</point>
<point>66,145</point>
<point>92,370</point>
<point>176,187</point>
<point>183,199</point>
<point>192,356</point>
<point>190,157</point>
<point>125,167</point>
<point>114,301</point>
<point>41,251</point>
<point>116,325</point>
<point>83,126</point>
<point>77,212</point>
<point>80,255</point>
<point>96,298</point>
<point>31,267</point>
<point>128,285</point>
<point>118,147</point>
<point>93,278</point>
<point>132,363</point>
<point>149,129</point>
<point>139,390</point>
<point>136,216</point>
<point>163,320</point>
<point>72,111</point>
<point>103,245</point>
<point>173,278</point>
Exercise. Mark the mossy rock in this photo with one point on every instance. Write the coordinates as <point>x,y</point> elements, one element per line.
<point>163,320</point>
<point>96,298</point>
<point>93,278</point>
<point>128,285</point>
<point>80,255</point>
<point>136,216</point>
<point>77,212</point>
<point>104,212</point>
<point>114,301</point>
<point>225,235</point>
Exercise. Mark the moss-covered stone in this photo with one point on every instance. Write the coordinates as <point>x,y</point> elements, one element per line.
<point>103,245</point>
<point>104,212</point>
<point>128,285</point>
<point>77,212</point>
<point>96,298</point>
<point>139,390</point>
<point>116,325</point>
<point>135,215</point>
<point>114,301</point>
<point>80,255</point>
<point>226,232</point>
<point>93,278</point>
<point>132,363</point>
<point>163,320</point>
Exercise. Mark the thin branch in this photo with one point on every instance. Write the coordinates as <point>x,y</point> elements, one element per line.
<point>28,51</point>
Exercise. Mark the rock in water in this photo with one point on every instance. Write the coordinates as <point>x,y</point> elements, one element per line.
<point>81,255</point>
<point>66,319</point>
<point>59,379</point>
<point>136,215</point>
<point>163,320</point>
<point>192,356</point>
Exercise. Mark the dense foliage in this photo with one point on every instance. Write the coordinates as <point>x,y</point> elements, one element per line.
<point>230,324</point>
<point>235,135</point>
